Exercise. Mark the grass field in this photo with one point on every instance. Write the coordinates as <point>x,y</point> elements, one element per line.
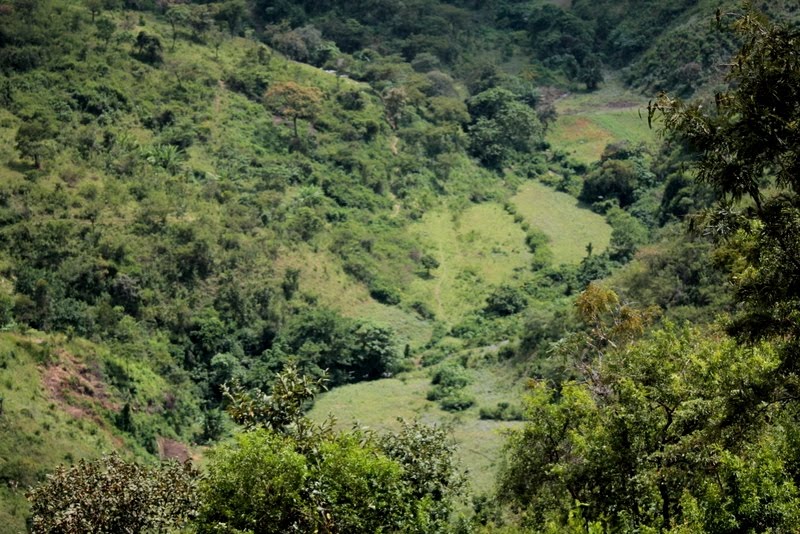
<point>378,404</point>
<point>477,249</point>
<point>588,122</point>
<point>561,217</point>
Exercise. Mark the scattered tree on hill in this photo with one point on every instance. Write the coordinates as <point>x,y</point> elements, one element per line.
<point>105,29</point>
<point>429,263</point>
<point>290,99</point>
<point>35,139</point>
<point>394,100</point>
<point>148,48</point>
<point>176,15</point>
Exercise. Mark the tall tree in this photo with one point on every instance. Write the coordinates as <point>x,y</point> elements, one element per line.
<point>747,147</point>
<point>294,100</point>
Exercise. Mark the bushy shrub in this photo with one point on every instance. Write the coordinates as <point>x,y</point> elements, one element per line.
<point>506,300</point>
<point>111,495</point>
<point>457,402</point>
<point>502,412</point>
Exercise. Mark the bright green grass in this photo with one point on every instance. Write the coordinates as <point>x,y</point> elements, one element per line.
<point>569,225</point>
<point>588,122</point>
<point>322,277</point>
<point>378,404</point>
<point>477,249</point>
<point>585,135</point>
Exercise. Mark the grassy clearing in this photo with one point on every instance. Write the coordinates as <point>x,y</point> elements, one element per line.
<point>322,278</point>
<point>588,122</point>
<point>564,220</point>
<point>476,249</point>
<point>585,135</point>
<point>378,404</point>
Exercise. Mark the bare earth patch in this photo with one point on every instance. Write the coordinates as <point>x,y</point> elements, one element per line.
<point>169,449</point>
<point>77,388</point>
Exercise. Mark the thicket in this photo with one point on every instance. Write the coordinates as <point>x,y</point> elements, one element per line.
<point>688,429</point>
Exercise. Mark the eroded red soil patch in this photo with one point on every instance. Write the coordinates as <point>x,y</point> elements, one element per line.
<point>78,388</point>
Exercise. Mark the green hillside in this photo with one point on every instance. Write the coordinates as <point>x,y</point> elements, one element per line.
<point>455,213</point>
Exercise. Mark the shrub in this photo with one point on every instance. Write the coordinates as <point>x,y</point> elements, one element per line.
<point>111,495</point>
<point>502,412</point>
<point>457,402</point>
<point>506,300</point>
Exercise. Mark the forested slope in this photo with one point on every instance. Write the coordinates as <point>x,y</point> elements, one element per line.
<point>200,197</point>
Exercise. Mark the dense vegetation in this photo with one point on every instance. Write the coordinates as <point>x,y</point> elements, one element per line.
<point>210,209</point>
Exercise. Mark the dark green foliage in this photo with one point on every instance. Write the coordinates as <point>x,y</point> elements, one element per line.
<point>627,236</point>
<point>35,139</point>
<point>501,127</point>
<point>456,402</point>
<point>506,300</point>
<point>111,496</point>
<point>744,149</point>
<point>124,420</point>
<point>679,276</point>
<point>562,40</point>
<point>148,48</point>
<point>502,412</point>
<point>289,474</point>
<point>426,455</point>
<point>347,349</point>
<point>591,72</point>
<point>649,436</point>
<point>282,410</point>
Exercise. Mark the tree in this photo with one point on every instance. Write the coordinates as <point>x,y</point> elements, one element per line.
<point>426,454</point>
<point>746,147</point>
<point>286,474</point>
<point>105,29</point>
<point>216,37</point>
<point>177,15</point>
<point>282,410</point>
<point>293,100</point>
<point>110,495</point>
<point>506,300</point>
<point>233,13</point>
<point>148,48</point>
<point>654,437</point>
<point>394,101</point>
<point>502,126</point>
<point>375,352</point>
<point>429,263</point>
<point>35,139</point>
<point>546,112</point>
<point>94,7</point>
<point>591,72</point>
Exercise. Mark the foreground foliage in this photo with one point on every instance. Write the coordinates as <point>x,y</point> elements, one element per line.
<point>113,496</point>
<point>686,429</point>
<point>282,474</point>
